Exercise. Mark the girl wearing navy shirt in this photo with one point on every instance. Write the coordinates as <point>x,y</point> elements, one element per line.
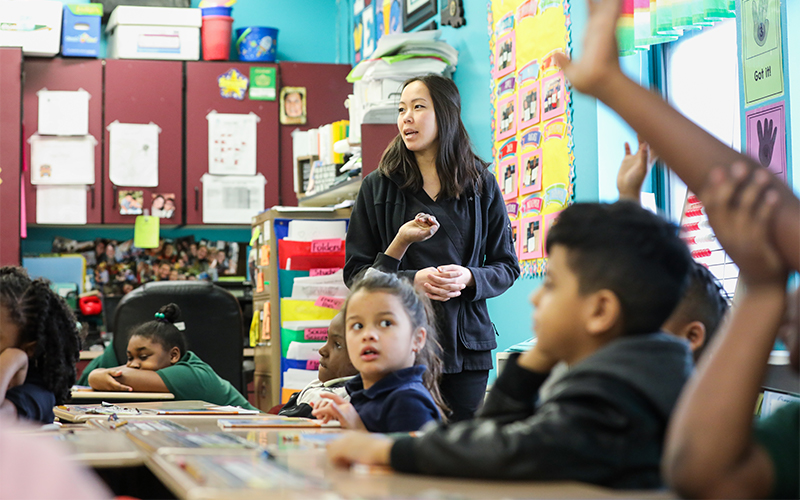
<point>392,344</point>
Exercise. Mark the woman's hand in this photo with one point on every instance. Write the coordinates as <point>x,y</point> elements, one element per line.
<point>334,407</point>
<point>600,58</point>
<point>740,211</point>
<point>105,379</point>
<point>360,448</point>
<point>444,282</point>
<point>421,228</point>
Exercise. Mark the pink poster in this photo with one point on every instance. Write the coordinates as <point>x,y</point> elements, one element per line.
<point>505,60</point>
<point>507,175</point>
<point>528,105</point>
<point>530,172</point>
<point>506,120</point>
<point>515,237</point>
<point>550,220</point>
<point>766,137</point>
<point>553,101</point>
<point>531,237</point>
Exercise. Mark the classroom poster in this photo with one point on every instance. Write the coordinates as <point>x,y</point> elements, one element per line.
<point>531,119</point>
<point>766,137</point>
<point>762,53</point>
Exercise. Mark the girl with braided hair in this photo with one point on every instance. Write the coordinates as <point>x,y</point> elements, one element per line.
<point>159,361</point>
<point>39,345</point>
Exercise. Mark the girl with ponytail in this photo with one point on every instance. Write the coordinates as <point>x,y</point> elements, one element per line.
<point>159,361</point>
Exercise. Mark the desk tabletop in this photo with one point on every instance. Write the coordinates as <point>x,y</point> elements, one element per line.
<point>85,395</point>
<point>299,468</point>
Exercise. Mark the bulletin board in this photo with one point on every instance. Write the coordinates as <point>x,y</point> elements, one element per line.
<point>531,120</point>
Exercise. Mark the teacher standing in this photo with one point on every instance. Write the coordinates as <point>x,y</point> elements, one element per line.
<point>433,213</point>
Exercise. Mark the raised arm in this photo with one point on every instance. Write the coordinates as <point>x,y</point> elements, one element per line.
<point>710,451</point>
<point>690,151</point>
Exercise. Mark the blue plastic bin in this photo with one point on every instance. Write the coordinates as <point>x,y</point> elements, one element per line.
<point>256,43</point>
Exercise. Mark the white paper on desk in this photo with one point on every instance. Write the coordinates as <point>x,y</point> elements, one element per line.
<point>304,350</point>
<point>61,204</point>
<point>62,160</point>
<point>237,409</point>
<point>133,154</point>
<point>63,112</point>
<point>295,378</point>
<point>310,230</point>
<point>232,143</point>
<point>232,199</point>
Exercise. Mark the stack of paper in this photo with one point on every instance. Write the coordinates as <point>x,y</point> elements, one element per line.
<point>377,81</point>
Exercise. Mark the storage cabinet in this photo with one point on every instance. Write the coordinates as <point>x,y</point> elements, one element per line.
<point>10,136</point>
<point>146,92</point>
<point>70,75</point>
<point>203,95</point>
<point>268,352</point>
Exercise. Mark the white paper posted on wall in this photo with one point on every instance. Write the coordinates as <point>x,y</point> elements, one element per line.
<point>61,204</point>
<point>232,199</point>
<point>62,160</point>
<point>63,112</point>
<point>133,154</point>
<point>232,143</point>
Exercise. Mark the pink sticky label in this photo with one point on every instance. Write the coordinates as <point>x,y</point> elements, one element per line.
<point>312,364</point>
<point>329,302</point>
<point>321,271</point>
<point>326,246</point>
<point>315,334</point>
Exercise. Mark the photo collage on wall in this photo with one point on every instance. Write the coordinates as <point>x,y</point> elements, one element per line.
<point>531,120</point>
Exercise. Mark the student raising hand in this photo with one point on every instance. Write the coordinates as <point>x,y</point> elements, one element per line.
<point>334,407</point>
<point>712,450</point>
<point>633,170</point>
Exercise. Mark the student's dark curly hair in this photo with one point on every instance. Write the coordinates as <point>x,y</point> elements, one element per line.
<point>163,329</point>
<point>458,166</point>
<point>44,318</point>
<point>418,307</point>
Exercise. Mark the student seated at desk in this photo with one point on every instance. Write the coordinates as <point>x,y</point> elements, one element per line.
<point>39,346</point>
<point>391,342</point>
<point>158,361</point>
<point>335,369</point>
<point>615,273</point>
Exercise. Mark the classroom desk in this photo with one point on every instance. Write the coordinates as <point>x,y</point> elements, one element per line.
<point>85,396</point>
<point>98,448</point>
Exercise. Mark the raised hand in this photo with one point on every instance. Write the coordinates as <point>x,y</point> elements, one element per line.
<point>766,141</point>
<point>740,212</point>
<point>600,59</point>
<point>632,172</point>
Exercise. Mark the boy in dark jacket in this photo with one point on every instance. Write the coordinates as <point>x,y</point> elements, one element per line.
<point>615,273</point>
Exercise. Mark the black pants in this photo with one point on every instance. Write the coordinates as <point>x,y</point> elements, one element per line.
<point>463,392</point>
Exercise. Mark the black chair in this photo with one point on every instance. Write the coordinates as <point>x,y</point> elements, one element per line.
<point>212,316</point>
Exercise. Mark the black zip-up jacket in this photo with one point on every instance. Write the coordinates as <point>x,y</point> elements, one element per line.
<point>378,213</point>
<point>604,422</point>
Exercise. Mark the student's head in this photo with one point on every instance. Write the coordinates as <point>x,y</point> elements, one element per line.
<point>164,269</point>
<point>293,104</point>
<point>202,252</point>
<point>335,362</point>
<point>36,320</point>
<point>99,247</point>
<point>220,256</point>
<point>169,250</point>
<point>169,204</point>
<point>193,249</point>
<point>173,275</point>
<point>613,270</point>
<point>701,310</point>
<point>158,202</point>
<point>159,343</point>
<point>429,122</point>
<point>111,251</point>
<point>390,327</point>
<point>127,288</point>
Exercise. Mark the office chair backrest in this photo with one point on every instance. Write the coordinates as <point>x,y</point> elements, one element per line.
<point>212,316</point>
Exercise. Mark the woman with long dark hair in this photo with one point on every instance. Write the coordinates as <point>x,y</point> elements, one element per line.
<point>430,179</point>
